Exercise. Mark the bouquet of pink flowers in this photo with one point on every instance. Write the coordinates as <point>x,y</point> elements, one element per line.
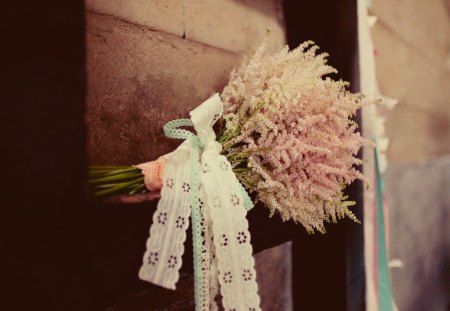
<point>288,133</point>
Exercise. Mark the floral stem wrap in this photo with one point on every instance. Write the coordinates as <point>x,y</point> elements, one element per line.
<point>199,181</point>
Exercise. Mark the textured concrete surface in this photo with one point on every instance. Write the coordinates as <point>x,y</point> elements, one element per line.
<point>165,15</point>
<point>137,80</point>
<point>419,200</point>
<point>237,26</point>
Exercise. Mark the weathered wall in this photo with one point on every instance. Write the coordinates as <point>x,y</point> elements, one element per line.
<point>412,41</point>
<point>149,62</point>
<point>138,80</point>
<point>412,45</point>
<point>152,61</point>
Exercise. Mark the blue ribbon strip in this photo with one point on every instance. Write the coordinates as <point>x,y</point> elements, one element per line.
<point>384,282</point>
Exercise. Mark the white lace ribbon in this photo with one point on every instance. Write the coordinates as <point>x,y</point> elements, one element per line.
<point>165,246</point>
<point>218,196</point>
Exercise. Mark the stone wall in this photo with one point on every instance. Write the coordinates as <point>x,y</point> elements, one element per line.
<point>152,61</point>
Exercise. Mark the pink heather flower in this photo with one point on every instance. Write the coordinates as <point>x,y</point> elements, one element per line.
<point>294,126</point>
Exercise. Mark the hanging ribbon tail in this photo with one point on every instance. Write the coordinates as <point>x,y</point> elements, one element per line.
<point>165,246</point>
<point>237,275</point>
<point>385,299</point>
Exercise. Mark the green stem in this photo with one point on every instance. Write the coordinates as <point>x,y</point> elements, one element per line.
<point>119,177</point>
<point>106,167</point>
<point>106,186</point>
<point>138,188</point>
<point>121,186</point>
<point>105,173</point>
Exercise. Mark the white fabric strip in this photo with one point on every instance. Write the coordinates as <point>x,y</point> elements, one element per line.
<point>237,275</point>
<point>165,246</point>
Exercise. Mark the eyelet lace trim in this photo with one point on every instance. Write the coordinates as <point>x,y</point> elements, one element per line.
<point>235,264</point>
<point>165,246</point>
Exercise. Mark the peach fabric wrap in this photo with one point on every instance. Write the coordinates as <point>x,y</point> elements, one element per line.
<point>153,173</point>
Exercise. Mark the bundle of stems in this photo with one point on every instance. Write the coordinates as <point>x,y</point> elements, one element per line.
<point>114,180</point>
<point>117,180</point>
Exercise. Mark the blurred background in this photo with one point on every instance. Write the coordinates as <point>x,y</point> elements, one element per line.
<point>412,55</point>
<point>412,48</point>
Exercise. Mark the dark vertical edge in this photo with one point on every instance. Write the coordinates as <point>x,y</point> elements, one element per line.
<point>319,261</point>
<point>348,13</point>
<point>47,255</point>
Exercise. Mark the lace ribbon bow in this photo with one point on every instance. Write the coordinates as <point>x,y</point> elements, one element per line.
<point>199,181</point>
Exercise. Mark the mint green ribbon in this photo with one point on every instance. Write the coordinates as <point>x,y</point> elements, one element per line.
<point>172,130</point>
<point>385,300</point>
